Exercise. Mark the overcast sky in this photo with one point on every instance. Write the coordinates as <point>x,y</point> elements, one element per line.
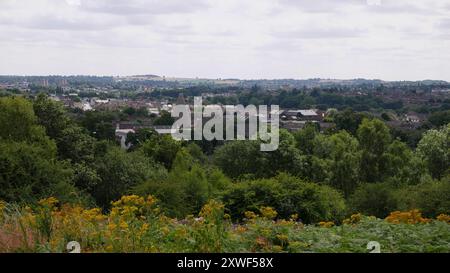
<point>247,39</point>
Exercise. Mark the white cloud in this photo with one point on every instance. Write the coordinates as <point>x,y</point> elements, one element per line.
<point>398,39</point>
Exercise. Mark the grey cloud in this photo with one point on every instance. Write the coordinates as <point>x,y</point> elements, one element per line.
<point>65,23</point>
<point>444,24</point>
<point>443,29</point>
<point>397,7</point>
<point>142,6</point>
<point>322,6</point>
<point>320,33</point>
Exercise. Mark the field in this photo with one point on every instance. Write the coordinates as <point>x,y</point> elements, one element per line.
<point>135,224</point>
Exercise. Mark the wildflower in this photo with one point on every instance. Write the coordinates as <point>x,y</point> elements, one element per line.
<point>2,206</point>
<point>282,238</point>
<point>268,212</point>
<point>48,202</point>
<point>123,225</point>
<point>250,215</point>
<point>261,241</point>
<point>326,224</point>
<point>111,226</point>
<point>444,218</point>
<point>151,200</point>
<point>241,229</point>
<point>407,217</point>
<point>144,228</point>
<point>353,220</point>
<point>293,217</point>
<point>277,248</point>
<point>212,209</point>
<point>93,215</point>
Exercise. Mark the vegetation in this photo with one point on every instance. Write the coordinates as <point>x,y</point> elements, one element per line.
<point>136,224</point>
<point>360,166</point>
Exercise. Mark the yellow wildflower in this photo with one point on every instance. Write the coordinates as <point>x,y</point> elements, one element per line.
<point>407,217</point>
<point>250,215</point>
<point>123,225</point>
<point>353,220</point>
<point>326,224</point>
<point>268,212</point>
<point>49,202</point>
<point>444,218</point>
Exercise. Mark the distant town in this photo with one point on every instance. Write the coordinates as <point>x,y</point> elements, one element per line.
<point>145,101</point>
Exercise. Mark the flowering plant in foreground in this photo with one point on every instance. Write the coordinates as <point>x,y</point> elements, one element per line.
<point>136,224</point>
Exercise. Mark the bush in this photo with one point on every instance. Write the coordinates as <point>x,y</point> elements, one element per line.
<point>30,172</point>
<point>373,199</point>
<point>430,197</point>
<point>288,195</point>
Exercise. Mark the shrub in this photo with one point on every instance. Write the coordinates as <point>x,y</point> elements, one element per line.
<point>373,199</point>
<point>288,195</point>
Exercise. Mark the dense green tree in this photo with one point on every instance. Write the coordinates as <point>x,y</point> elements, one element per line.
<point>239,159</point>
<point>100,124</point>
<point>164,119</point>
<point>340,157</point>
<point>29,172</point>
<point>162,149</point>
<point>348,120</point>
<point>51,115</point>
<point>76,145</point>
<point>440,118</point>
<point>119,171</point>
<point>18,121</point>
<point>196,152</point>
<point>374,137</point>
<point>140,137</point>
<point>434,149</point>
<point>288,195</point>
<point>305,138</point>
<point>186,188</point>
<point>402,166</point>
<point>374,199</point>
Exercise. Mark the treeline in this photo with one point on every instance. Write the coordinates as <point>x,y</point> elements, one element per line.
<point>359,167</point>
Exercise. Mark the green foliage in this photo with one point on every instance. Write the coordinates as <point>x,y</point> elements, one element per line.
<point>430,197</point>
<point>385,116</point>
<point>238,159</point>
<point>188,186</point>
<point>439,119</point>
<point>402,166</point>
<point>100,124</point>
<point>376,199</point>
<point>51,115</point>
<point>164,119</point>
<point>30,172</point>
<point>434,149</point>
<point>340,160</point>
<point>305,138</point>
<point>162,149</point>
<point>76,145</point>
<point>348,120</point>
<point>119,171</point>
<point>374,137</point>
<point>140,137</point>
<point>288,195</point>
<point>18,121</point>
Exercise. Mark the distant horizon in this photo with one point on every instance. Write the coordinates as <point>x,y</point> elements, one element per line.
<point>218,78</point>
